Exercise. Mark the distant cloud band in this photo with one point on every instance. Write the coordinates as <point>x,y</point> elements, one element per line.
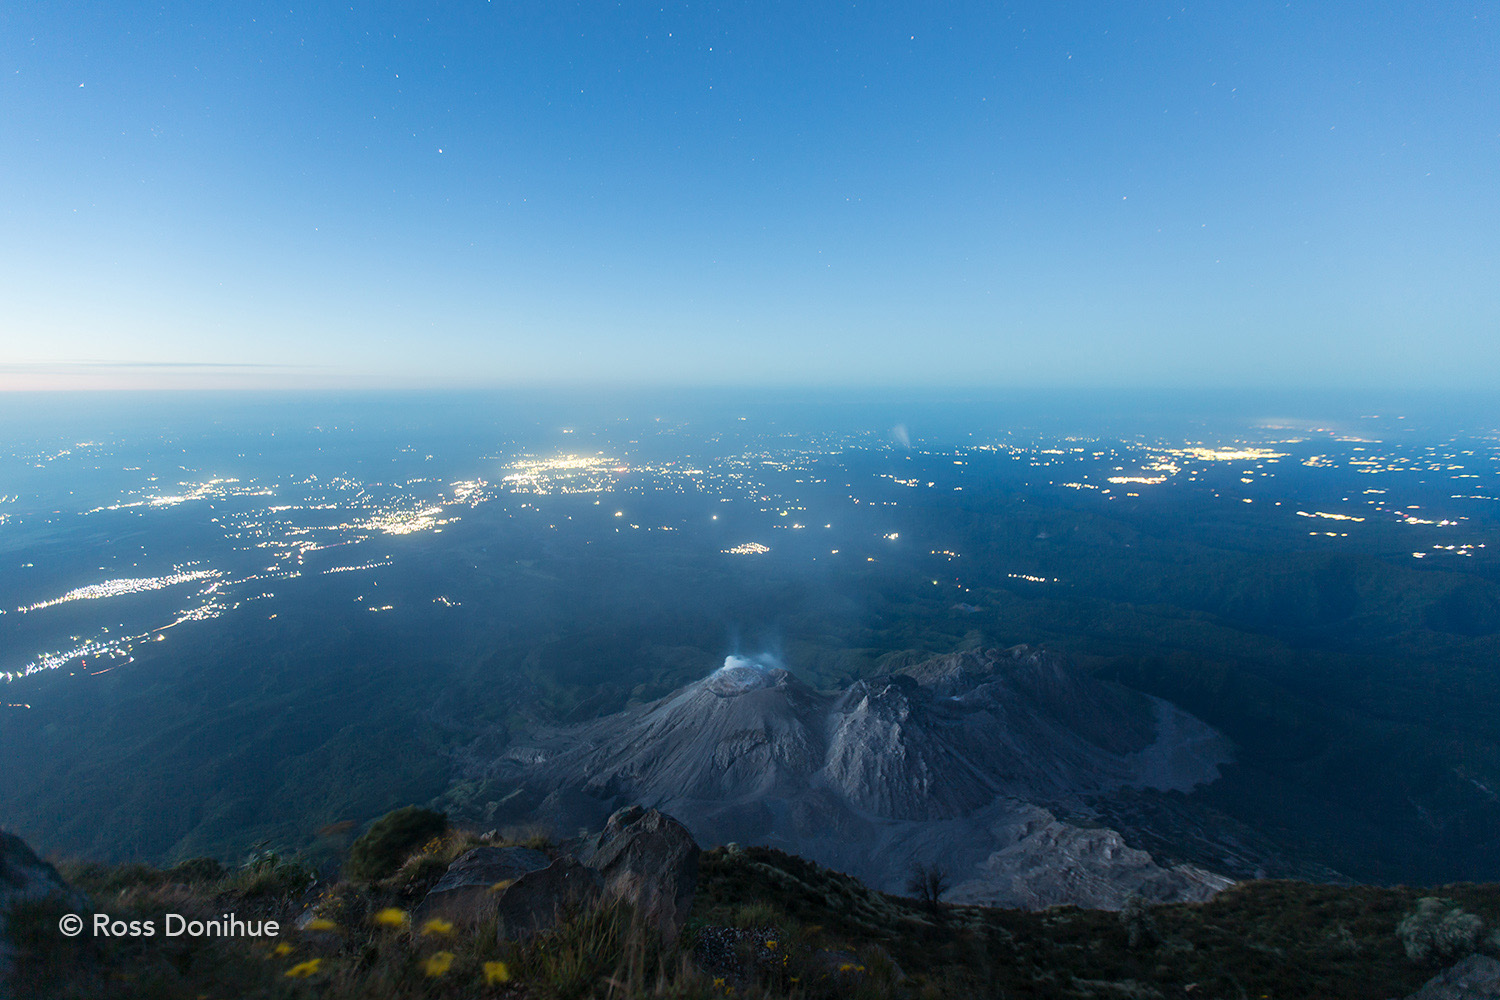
<point>113,367</point>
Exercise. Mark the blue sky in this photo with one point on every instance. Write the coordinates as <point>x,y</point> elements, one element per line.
<point>473,192</point>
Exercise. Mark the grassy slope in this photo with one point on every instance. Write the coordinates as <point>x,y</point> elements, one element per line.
<point>800,931</point>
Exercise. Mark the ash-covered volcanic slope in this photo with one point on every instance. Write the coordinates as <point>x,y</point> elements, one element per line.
<point>962,762</point>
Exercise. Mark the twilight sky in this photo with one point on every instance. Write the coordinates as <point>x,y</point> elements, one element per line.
<point>418,193</point>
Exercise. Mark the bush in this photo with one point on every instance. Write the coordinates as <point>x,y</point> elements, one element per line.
<point>196,870</point>
<point>1438,930</point>
<point>1139,924</point>
<point>268,874</point>
<point>757,915</point>
<point>343,903</point>
<point>96,878</point>
<point>380,851</point>
<point>603,945</point>
<point>419,873</point>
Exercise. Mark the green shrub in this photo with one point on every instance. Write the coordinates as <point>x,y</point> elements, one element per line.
<point>268,874</point>
<point>538,842</point>
<point>380,850</point>
<point>196,870</point>
<point>104,879</point>
<point>1438,929</point>
<point>597,946</point>
<point>343,903</point>
<point>757,915</point>
<point>419,874</point>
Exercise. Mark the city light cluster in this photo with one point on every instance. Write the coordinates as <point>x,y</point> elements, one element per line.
<point>117,588</point>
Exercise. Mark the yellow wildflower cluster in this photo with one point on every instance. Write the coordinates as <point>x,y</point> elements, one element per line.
<point>392,917</point>
<point>434,966</point>
<point>304,969</point>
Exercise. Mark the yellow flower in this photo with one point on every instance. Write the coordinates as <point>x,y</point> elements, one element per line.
<point>501,885</point>
<point>771,945</point>
<point>847,967</point>
<point>438,964</point>
<point>496,973</point>
<point>321,924</point>
<point>307,968</point>
<point>436,926</point>
<point>283,949</point>
<point>392,917</point>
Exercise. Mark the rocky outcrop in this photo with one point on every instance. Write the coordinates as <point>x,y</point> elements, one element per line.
<point>1475,978</point>
<point>468,891</point>
<point>1044,862</point>
<point>650,861</point>
<point>27,879</point>
<point>535,901</point>
<point>935,764</point>
<point>642,858</point>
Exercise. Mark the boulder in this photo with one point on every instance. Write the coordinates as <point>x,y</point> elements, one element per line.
<point>26,878</point>
<point>533,902</point>
<point>467,893</point>
<point>1475,978</point>
<point>649,860</point>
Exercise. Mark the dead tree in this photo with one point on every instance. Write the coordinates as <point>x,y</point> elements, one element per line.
<point>928,883</point>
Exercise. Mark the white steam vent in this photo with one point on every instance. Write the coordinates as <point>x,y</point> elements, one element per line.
<point>744,673</point>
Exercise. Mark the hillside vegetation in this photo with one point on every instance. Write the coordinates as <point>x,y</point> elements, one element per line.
<point>764,924</point>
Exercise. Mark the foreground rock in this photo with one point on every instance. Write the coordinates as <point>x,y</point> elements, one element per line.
<point>535,901</point>
<point>650,861</point>
<point>469,890</point>
<point>1475,978</point>
<point>25,879</point>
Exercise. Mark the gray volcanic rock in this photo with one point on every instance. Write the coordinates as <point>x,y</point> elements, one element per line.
<point>1475,978</point>
<point>649,861</point>
<point>939,763</point>
<point>533,902</point>
<point>1046,862</point>
<point>467,891</point>
<point>26,878</point>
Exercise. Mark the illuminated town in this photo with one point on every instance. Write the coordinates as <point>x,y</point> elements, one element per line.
<point>863,491</point>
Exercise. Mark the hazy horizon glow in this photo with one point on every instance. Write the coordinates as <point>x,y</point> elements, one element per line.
<point>470,194</point>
